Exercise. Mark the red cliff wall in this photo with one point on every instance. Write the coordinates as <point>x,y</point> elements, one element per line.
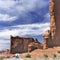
<point>55,21</point>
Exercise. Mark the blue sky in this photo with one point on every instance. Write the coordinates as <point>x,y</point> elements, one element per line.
<point>27,18</point>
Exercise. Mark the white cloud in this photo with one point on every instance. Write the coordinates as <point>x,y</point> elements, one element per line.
<point>7,17</point>
<point>6,4</point>
<point>22,30</point>
<point>21,6</point>
<point>4,44</point>
<point>4,41</point>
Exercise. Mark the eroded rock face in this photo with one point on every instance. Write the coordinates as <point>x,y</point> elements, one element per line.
<point>55,21</point>
<point>20,44</point>
<point>54,37</point>
<point>52,21</point>
<point>48,43</point>
<point>34,45</point>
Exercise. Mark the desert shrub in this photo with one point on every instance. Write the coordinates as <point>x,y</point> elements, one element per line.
<point>54,55</point>
<point>58,51</point>
<point>45,55</point>
<point>1,58</point>
<point>28,56</point>
<point>33,48</point>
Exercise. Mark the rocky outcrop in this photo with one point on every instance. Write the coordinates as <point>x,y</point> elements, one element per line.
<point>48,43</point>
<point>21,44</point>
<point>34,45</point>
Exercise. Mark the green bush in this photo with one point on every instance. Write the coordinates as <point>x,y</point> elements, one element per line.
<point>1,58</point>
<point>28,56</point>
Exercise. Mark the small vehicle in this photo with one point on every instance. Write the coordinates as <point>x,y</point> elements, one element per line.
<point>17,55</point>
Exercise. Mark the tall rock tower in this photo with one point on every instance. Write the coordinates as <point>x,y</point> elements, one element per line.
<point>55,21</point>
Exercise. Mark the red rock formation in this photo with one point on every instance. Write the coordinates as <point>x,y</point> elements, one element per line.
<point>34,45</point>
<point>55,21</point>
<point>20,44</point>
<point>52,21</point>
<point>54,38</point>
<point>48,43</point>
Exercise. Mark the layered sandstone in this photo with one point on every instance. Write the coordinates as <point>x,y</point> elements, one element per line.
<point>21,44</point>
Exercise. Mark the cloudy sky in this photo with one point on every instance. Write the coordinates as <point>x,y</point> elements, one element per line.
<point>27,18</point>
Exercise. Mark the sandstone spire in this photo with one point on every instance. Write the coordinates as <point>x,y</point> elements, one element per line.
<point>52,20</point>
<point>55,21</point>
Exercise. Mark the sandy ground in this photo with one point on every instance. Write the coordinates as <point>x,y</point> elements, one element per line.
<point>40,53</point>
<point>37,53</point>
